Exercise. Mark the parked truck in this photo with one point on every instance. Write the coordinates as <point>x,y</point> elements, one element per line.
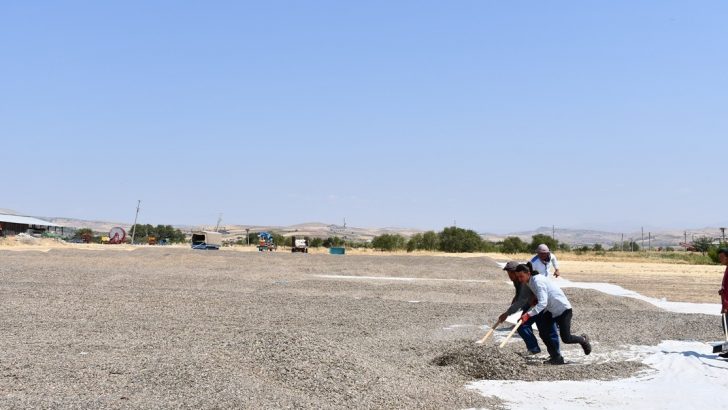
<point>299,244</point>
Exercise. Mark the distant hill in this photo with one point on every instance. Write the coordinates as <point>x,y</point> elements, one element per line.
<point>322,230</point>
<point>591,237</point>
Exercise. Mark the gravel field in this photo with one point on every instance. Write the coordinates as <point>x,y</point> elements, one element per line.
<point>163,327</point>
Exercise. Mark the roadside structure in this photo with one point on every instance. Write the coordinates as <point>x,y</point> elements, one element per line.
<point>15,224</point>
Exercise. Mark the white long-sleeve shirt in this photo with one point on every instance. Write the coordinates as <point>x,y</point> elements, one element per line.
<point>543,268</point>
<point>550,297</point>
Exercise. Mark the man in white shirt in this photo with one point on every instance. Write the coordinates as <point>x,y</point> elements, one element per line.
<point>543,260</point>
<point>555,308</point>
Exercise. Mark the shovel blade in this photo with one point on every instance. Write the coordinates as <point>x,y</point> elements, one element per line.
<point>721,348</point>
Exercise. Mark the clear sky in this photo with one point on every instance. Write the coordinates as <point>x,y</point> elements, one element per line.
<point>499,115</point>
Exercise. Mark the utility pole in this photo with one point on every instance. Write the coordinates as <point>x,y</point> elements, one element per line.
<point>649,241</point>
<point>686,240</point>
<point>642,241</point>
<point>622,243</point>
<point>553,231</point>
<point>133,228</point>
<point>722,231</point>
<point>219,219</point>
<point>247,235</point>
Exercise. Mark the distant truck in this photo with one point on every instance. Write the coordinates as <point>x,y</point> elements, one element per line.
<point>206,240</point>
<point>299,244</point>
<point>266,242</point>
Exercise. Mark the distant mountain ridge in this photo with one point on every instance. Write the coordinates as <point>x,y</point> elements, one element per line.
<point>572,237</point>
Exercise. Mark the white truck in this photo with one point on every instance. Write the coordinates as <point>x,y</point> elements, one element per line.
<point>299,244</point>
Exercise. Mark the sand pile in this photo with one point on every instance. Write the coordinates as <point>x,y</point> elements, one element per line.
<point>24,240</point>
<point>491,363</point>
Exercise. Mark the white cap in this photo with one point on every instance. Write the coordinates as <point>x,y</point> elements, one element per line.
<point>543,248</point>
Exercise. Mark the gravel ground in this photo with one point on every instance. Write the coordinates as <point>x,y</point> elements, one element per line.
<point>162,327</point>
<point>491,363</point>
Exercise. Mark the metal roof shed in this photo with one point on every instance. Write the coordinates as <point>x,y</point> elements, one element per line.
<point>15,224</point>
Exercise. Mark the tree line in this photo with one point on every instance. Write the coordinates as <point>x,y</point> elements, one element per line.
<point>162,234</point>
<point>459,240</point>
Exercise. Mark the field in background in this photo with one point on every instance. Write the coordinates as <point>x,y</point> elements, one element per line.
<point>649,274</point>
<point>687,258</point>
<point>657,278</point>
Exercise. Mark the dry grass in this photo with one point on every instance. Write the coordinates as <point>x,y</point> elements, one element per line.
<point>673,258</point>
<point>678,282</point>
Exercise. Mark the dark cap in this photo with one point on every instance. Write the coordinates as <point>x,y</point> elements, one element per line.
<point>511,266</point>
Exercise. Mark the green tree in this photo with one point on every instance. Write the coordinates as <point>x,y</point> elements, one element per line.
<point>488,246</point>
<point>427,241</point>
<point>459,240</point>
<point>702,244</point>
<point>430,241</point>
<point>514,244</point>
<point>414,243</point>
<point>626,246</point>
<point>83,233</point>
<point>545,239</point>
<point>598,247</point>
<point>316,242</point>
<point>161,232</point>
<point>389,242</point>
<point>169,234</point>
<point>278,239</point>
<point>333,242</point>
<point>357,244</point>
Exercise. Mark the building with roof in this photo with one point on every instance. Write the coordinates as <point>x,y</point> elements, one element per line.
<point>11,224</point>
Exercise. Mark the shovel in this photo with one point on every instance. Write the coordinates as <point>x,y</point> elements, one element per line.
<point>490,332</point>
<point>723,347</point>
<point>518,324</point>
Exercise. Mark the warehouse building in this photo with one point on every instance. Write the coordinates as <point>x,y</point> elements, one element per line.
<point>14,224</point>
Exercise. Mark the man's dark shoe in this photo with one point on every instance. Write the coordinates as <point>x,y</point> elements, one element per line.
<point>556,360</point>
<point>724,355</point>
<point>586,345</point>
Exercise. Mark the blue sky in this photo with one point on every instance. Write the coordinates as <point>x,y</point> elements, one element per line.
<point>500,115</point>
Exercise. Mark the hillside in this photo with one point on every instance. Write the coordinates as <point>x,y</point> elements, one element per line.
<point>323,230</point>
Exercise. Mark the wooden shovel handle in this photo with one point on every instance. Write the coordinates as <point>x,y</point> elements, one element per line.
<point>490,332</point>
<point>518,324</point>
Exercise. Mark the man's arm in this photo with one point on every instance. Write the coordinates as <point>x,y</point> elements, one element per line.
<point>523,298</point>
<point>556,265</point>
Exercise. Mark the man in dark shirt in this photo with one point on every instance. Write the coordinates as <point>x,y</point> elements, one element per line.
<point>723,292</point>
